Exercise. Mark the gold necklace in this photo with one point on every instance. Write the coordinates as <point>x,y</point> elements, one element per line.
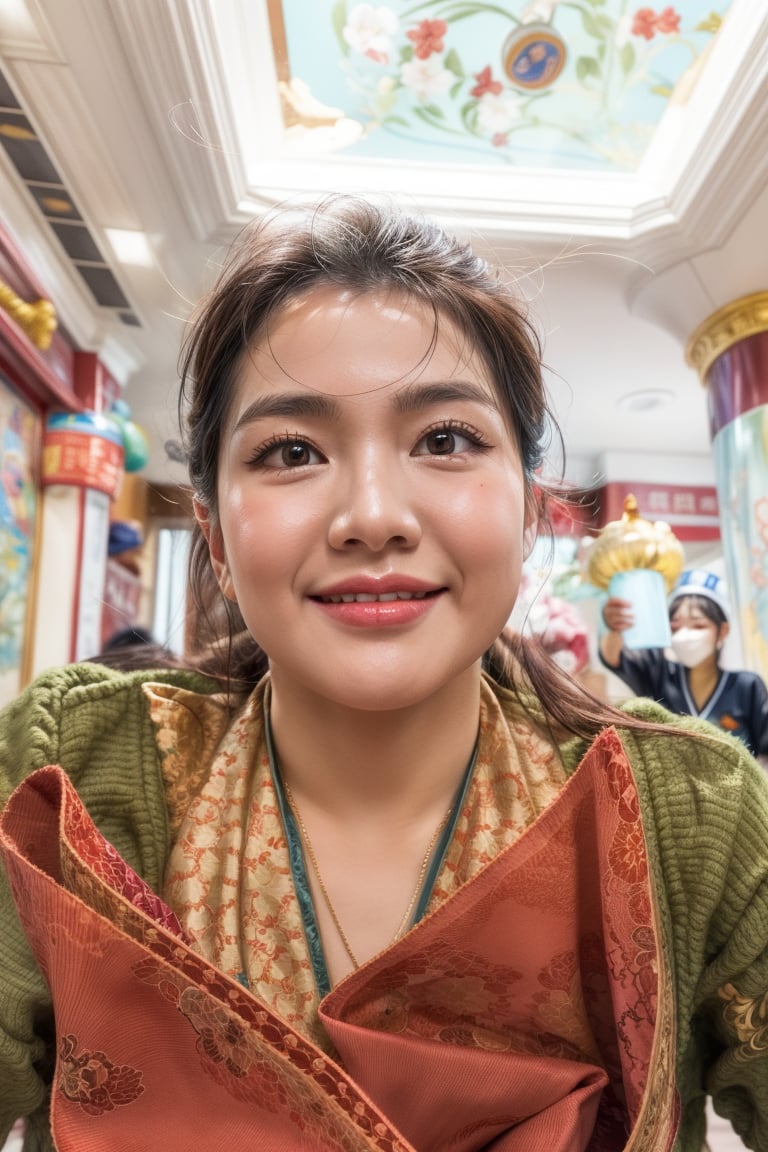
<point>324,891</point>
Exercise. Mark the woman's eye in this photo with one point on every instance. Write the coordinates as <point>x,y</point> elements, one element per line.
<point>288,454</point>
<point>440,443</point>
<point>446,442</point>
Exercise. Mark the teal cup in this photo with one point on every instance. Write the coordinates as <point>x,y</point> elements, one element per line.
<point>647,592</point>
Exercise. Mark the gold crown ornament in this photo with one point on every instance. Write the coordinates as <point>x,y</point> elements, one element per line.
<point>630,543</point>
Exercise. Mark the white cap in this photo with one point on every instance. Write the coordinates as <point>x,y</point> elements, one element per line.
<point>699,582</point>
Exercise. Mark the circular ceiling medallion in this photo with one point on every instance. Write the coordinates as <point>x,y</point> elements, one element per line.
<point>533,56</point>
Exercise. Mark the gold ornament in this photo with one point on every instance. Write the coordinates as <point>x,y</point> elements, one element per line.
<point>744,317</point>
<point>632,542</point>
<point>36,320</point>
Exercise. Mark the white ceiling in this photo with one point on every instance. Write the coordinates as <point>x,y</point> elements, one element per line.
<point>163,116</point>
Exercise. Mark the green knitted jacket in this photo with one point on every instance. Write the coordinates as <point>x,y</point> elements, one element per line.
<point>705,813</point>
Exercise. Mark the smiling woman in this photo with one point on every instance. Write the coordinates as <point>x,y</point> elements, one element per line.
<point>371,841</point>
<point>397,476</point>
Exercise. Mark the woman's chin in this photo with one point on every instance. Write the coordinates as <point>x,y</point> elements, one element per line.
<point>372,690</point>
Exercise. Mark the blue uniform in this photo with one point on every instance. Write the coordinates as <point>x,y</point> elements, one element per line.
<point>739,703</point>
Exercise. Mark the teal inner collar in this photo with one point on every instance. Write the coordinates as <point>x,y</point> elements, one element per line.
<point>299,867</point>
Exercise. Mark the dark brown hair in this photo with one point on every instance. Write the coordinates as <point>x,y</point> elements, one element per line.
<point>704,604</point>
<point>355,244</point>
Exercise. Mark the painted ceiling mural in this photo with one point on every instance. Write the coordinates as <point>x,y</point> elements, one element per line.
<point>544,83</point>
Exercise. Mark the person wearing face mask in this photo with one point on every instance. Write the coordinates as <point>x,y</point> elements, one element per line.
<point>692,684</point>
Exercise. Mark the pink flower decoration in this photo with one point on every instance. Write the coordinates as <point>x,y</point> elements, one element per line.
<point>647,23</point>
<point>644,23</point>
<point>500,139</point>
<point>428,37</point>
<point>485,83</point>
<point>668,21</point>
<point>565,635</point>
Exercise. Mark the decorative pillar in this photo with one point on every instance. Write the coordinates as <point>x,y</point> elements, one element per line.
<point>729,350</point>
<point>81,470</point>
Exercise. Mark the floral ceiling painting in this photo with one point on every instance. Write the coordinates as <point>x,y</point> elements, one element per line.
<point>543,83</point>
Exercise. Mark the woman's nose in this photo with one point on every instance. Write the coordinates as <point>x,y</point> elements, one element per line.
<point>375,508</point>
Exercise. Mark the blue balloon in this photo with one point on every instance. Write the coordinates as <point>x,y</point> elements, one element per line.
<point>136,446</point>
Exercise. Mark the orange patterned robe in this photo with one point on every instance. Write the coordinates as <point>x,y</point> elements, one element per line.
<point>530,1009</point>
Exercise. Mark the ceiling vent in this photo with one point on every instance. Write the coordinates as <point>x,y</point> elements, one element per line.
<point>30,158</point>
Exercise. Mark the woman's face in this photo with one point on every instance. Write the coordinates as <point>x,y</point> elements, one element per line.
<point>372,510</point>
<point>695,637</point>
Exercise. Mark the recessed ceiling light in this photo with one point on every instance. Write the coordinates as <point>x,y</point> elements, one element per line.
<point>646,399</point>
<point>130,247</point>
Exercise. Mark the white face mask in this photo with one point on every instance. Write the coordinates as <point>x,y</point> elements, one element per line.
<point>692,645</point>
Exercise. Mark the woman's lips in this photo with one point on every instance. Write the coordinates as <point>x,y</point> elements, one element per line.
<point>371,597</point>
<point>371,610</point>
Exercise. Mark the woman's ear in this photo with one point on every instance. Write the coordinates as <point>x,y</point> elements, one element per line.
<point>722,634</point>
<point>215,542</point>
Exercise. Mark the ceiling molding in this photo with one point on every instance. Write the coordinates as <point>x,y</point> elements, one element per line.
<point>215,115</point>
<point>213,66</point>
<point>172,50</point>
<point>107,148</point>
<point>26,34</point>
<point>714,149</point>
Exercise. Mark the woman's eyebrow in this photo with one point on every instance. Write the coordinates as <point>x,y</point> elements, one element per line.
<point>289,404</point>
<point>414,397</point>
<point>410,398</point>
